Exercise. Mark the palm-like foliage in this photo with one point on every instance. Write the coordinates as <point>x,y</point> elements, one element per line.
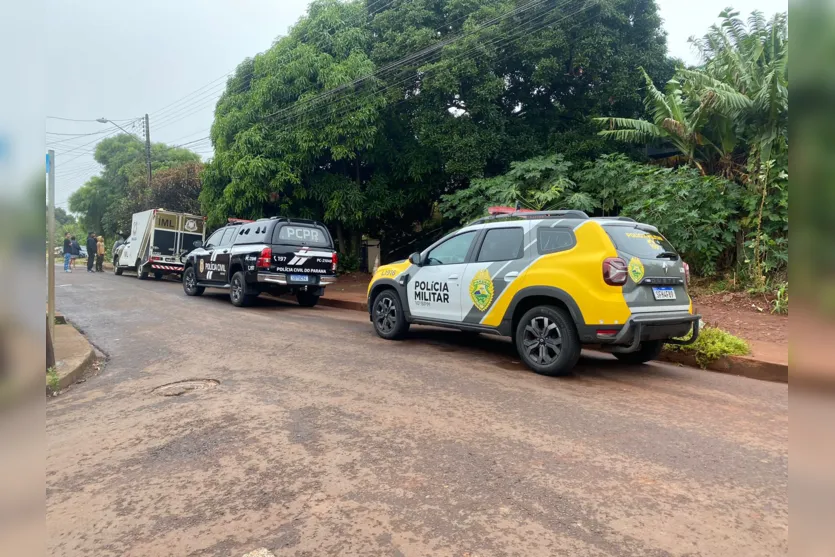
<point>753,61</point>
<point>735,103</point>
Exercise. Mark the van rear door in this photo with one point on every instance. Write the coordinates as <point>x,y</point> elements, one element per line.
<point>303,250</point>
<point>656,272</point>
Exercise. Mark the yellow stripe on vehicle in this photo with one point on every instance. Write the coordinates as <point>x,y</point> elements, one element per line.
<point>578,272</point>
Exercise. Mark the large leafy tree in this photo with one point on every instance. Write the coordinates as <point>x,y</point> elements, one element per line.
<point>365,113</point>
<point>107,201</point>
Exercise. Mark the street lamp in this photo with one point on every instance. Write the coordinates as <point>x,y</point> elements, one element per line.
<point>147,141</point>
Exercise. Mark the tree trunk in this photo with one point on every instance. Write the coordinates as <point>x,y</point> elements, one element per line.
<point>340,239</point>
<point>356,244</point>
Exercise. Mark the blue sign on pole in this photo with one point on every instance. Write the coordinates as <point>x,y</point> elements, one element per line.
<point>47,163</point>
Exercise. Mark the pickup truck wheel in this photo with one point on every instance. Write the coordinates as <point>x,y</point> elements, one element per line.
<point>387,316</point>
<point>140,274</point>
<point>116,269</point>
<point>649,350</point>
<point>547,340</point>
<point>237,291</point>
<point>306,299</point>
<point>190,283</point>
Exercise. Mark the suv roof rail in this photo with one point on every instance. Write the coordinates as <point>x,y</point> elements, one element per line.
<point>561,213</point>
<point>624,219</point>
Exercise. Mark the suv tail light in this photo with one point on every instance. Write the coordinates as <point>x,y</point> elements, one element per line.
<point>264,259</point>
<point>686,273</point>
<point>614,271</point>
<point>334,261</point>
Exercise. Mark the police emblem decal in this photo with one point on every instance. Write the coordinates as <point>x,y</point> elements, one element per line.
<point>481,290</point>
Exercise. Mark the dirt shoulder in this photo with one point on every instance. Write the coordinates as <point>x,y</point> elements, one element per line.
<point>749,318</point>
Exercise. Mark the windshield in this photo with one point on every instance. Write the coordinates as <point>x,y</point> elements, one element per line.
<point>300,234</point>
<point>637,242</point>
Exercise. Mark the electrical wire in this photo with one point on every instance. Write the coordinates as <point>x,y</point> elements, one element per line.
<point>460,57</point>
<point>524,29</point>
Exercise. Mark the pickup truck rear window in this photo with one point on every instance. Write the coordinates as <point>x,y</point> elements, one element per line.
<point>637,242</point>
<point>302,235</point>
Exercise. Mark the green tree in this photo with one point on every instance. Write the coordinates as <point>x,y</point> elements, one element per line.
<point>365,118</point>
<point>106,202</point>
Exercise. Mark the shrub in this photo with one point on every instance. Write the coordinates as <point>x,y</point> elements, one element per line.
<point>713,343</point>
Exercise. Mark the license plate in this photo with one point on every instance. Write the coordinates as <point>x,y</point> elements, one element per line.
<point>663,292</point>
<point>299,278</point>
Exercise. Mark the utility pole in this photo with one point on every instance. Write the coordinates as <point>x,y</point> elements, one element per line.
<point>148,148</point>
<point>50,239</point>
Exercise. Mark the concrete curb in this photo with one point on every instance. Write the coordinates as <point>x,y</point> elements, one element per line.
<point>742,366</point>
<point>343,304</point>
<point>77,373</point>
<point>77,362</point>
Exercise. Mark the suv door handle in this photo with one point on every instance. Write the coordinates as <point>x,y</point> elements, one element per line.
<point>510,276</point>
<point>453,277</point>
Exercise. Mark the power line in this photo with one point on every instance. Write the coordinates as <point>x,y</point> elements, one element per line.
<point>300,108</point>
<point>78,120</point>
<point>461,57</point>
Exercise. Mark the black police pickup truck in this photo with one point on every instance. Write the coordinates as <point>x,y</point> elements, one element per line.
<point>276,255</point>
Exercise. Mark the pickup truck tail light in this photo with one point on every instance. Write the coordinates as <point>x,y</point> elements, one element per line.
<point>334,261</point>
<point>614,271</point>
<point>264,259</point>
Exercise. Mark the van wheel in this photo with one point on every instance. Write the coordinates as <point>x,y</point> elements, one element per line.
<point>387,315</point>
<point>190,283</point>
<point>306,299</point>
<point>140,274</point>
<point>649,350</point>
<point>547,340</point>
<point>237,291</point>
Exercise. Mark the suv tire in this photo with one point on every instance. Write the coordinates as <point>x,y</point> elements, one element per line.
<point>116,269</point>
<point>190,283</point>
<point>306,299</point>
<point>237,291</point>
<point>547,340</point>
<point>387,315</point>
<point>649,350</point>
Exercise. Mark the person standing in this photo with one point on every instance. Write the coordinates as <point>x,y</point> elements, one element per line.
<point>75,251</point>
<point>91,251</point>
<point>100,254</point>
<point>67,253</point>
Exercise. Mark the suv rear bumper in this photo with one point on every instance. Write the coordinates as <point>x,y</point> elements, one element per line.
<point>657,326</point>
<point>281,279</point>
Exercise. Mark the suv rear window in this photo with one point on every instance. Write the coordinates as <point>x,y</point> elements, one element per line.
<point>302,234</point>
<point>641,243</point>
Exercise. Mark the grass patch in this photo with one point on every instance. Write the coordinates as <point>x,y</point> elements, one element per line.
<point>713,343</point>
<point>52,380</point>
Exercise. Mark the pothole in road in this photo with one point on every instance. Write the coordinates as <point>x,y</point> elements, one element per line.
<point>178,388</point>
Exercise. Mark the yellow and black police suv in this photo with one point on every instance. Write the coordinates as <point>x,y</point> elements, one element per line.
<point>553,281</point>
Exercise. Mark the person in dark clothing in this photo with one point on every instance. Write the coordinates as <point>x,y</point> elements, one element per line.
<point>67,252</point>
<point>75,251</point>
<point>91,251</point>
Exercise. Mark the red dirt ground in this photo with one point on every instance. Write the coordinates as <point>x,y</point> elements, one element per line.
<point>736,312</point>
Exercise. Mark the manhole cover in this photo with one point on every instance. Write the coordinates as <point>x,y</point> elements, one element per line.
<point>182,387</point>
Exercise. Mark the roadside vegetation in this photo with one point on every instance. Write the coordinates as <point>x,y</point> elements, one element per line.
<point>403,121</point>
<point>713,343</point>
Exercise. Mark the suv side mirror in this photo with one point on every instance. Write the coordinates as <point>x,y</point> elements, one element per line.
<point>415,259</point>
<point>197,244</point>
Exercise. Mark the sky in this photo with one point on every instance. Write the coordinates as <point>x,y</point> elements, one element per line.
<point>120,60</point>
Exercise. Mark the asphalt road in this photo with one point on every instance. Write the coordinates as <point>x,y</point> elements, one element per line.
<point>322,439</point>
